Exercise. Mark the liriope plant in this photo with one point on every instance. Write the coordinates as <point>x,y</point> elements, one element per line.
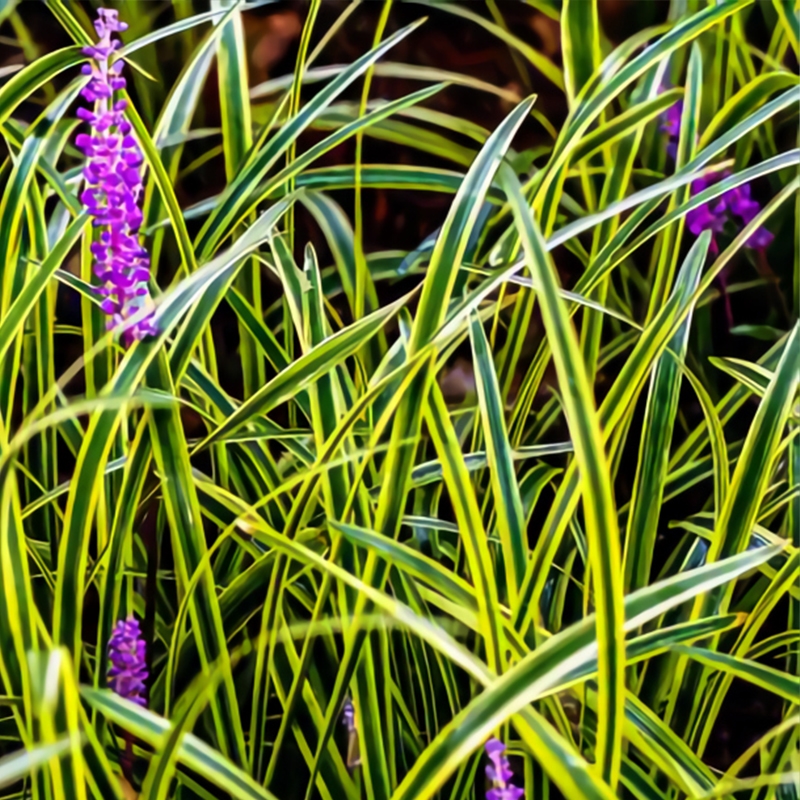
<point>335,581</point>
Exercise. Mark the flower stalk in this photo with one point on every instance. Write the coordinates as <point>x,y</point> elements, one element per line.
<point>127,653</point>
<point>499,773</point>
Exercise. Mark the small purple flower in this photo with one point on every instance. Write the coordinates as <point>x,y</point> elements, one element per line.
<point>704,217</point>
<point>736,202</point>
<point>114,187</point>
<point>126,652</point>
<point>500,774</point>
<point>741,205</point>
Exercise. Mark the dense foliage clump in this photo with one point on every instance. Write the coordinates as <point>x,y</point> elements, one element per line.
<point>399,406</point>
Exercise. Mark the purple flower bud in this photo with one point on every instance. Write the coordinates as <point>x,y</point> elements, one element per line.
<point>100,88</point>
<point>739,202</point>
<point>702,219</point>
<point>112,171</point>
<point>760,240</point>
<point>500,774</point>
<point>131,177</point>
<point>103,122</point>
<point>87,197</point>
<point>349,715</point>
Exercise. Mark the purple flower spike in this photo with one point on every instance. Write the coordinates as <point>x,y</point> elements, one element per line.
<point>128,671</point>
<point>500,774</point>
<point>736,201</point>
<point>114,187</point>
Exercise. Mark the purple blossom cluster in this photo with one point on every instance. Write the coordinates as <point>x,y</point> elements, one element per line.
<point>114,186</point>
<point>126,652</point>
<point>735,205</point>
<point>500,774</point>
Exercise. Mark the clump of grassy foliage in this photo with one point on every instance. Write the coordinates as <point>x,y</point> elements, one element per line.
<point>592,556</point>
